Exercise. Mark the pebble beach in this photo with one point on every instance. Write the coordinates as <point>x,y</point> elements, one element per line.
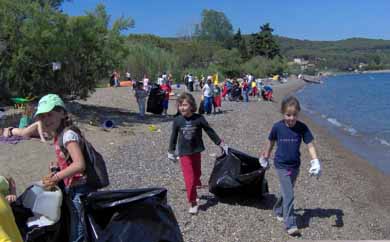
<point>350,201</point>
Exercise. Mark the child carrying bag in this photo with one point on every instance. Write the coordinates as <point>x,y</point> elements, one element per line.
<point>96,170</point>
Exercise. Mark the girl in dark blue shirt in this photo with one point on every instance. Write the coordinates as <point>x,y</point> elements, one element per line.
<point>289,134</point>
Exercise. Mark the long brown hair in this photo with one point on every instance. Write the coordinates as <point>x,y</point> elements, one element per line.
<point>290,101</point>
<point>189,98</point>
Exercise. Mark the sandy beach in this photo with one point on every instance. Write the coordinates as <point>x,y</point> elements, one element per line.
<point>350,201</point>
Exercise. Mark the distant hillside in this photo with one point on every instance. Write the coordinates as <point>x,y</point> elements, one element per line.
<point>342,54</point>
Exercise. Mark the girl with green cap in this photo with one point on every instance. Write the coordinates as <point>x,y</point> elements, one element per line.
<point>54,117</point>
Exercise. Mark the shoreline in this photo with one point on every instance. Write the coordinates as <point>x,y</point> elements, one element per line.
<point>379,192</point>
<point>350,200</point>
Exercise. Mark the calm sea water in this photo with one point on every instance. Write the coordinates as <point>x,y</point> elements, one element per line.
<point>355,108</point>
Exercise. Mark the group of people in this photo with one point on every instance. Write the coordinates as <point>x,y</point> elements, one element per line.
<point>243,88</point>
<point>185,144</point>
<point>211,96</point>
<point>115,78</point>
<point>143,89</point>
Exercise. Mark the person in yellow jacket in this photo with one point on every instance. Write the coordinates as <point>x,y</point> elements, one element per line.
<point>9,232</point>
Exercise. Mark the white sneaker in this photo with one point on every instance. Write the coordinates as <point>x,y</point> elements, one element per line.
<point>279,218</point>
<point>193,210</point>
<point>293,231</point>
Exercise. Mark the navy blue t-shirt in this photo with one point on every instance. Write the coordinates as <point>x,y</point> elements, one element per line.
<point>288,141</point>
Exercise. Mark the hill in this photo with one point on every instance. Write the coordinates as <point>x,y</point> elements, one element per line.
<point>342,54</point>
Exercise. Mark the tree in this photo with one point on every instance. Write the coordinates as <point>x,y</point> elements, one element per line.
<point>228,62</point>
<point>215,26</point>
<point>34,36</point>
<point>237,38</point>
<point>242,48</point>
<point>53,3</point>
<point>264,43</point>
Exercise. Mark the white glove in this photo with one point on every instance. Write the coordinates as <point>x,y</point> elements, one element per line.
<point>315,169</point>
<point>224,147</point>
<point>264,162</point>
<point>172,157</point>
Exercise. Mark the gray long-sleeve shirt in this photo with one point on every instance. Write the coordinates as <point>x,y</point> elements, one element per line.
<point>187,132</point>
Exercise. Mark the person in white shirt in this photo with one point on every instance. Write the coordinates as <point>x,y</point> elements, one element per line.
<point>190,83</point>
<point>146,83</point>
<point>208,95</point>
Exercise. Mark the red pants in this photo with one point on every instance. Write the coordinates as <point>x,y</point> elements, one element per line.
<point>217,101</point>
<point>190,165</point>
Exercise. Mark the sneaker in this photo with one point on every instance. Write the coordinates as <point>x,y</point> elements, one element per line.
<point>293,231</point>
<point>193,210</point>
<point>279,218</point>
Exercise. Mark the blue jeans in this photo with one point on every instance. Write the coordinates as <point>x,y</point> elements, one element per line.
<point>116,82</point>
<point>141,106</point>
<point>245,96</point>
<point>284,206</point>
<point>208,104</point>
<point>75,206</point>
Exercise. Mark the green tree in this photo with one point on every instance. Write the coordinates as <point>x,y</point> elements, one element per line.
<point>52,3</point>
<point>264,43</point>
<point>34,36</point>
<point>228,62</point>
<point>237,38</point>
<point>215,26</point>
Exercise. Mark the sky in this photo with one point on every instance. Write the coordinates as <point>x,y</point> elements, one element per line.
<point>300,19</point>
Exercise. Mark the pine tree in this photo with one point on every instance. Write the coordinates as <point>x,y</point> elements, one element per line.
<point>243,49</point>
<point>264,44</point>
<point>237,38</point>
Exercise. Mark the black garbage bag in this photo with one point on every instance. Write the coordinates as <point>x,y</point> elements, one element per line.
<point>58,231</point>
<point>155,100</point>
<point>201,107</point>
<point>237,174</point>
<point>130,215</point>
<point>235,94</point>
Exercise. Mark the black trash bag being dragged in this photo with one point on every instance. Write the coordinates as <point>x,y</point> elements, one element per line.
<point>237,174</point>
<point>155,100</point>
<point>130,215</point>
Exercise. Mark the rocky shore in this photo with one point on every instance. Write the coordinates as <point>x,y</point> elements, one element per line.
<point>350,201</point>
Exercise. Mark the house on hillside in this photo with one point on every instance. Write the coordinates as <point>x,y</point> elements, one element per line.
<point>304,64</point>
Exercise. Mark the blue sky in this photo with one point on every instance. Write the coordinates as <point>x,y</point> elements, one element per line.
<point>301,19</point>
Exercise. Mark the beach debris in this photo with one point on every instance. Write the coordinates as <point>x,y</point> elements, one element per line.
<point>108,124</point>
<point>153,128</point>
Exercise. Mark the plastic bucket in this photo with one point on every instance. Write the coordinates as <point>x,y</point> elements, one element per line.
<point>108,124</point>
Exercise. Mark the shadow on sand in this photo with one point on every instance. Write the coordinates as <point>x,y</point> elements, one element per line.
<point>305,215</point>
<point>264,203</point>
<point>96,115</point>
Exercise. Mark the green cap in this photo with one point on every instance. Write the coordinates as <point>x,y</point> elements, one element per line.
<point>48,102</point>
<point>4,186</point>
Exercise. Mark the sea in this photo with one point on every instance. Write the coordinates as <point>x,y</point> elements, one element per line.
<point>356,109</point>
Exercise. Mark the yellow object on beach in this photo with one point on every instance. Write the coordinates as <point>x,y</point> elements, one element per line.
<point>153,128</point>
<point>215,78</point>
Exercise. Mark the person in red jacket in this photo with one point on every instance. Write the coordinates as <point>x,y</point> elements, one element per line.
<point>225,90</point>
<point>167,90</point>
